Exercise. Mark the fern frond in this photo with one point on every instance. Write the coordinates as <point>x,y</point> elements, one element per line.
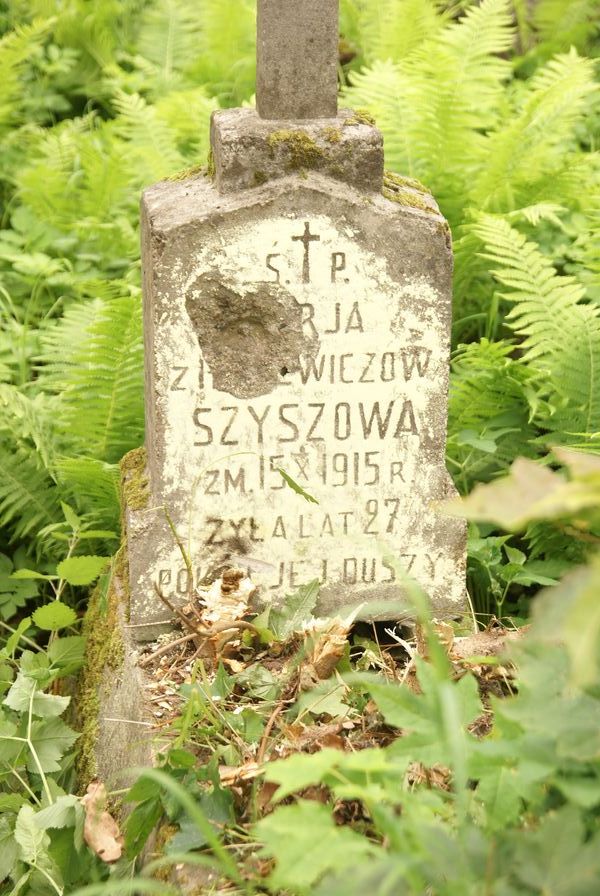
<point>93,359</point>
<point>488,413</point>
<point>93,486</point>
<point>31,418</point>
<point>391,29</point>
<point>562,25</point>
<point>168,37</point>
<point>560,332</point>
<point>152,151</point>
<point>434,105</point>
<point>224,56</point>
<point>186,113</point>
<point>29,499</point>
<point>531,149</point>
<point>16,48</point>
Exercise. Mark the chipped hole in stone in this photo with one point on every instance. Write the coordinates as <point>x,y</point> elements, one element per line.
<point>284,371</point>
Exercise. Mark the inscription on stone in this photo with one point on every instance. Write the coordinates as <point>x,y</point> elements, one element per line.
<point>285,345</point>
<point>296,320</point>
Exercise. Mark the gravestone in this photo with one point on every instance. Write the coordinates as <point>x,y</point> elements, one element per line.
<point>297,311</point>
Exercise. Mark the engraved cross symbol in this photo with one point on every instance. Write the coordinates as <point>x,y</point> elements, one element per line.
<point>306,238</point>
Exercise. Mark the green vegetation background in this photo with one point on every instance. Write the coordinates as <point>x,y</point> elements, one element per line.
<point>495,107</point>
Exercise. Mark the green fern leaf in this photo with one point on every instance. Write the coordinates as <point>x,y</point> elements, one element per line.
<point>93,359</point>
<point>29,499</point>
<point>560,333</point>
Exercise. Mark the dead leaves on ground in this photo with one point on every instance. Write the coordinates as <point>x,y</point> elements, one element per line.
<point>302,663</point>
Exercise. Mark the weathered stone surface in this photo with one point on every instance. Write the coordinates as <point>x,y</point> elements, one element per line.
<point>296,58</point>
<point>248,151</point>
<point>112,707</point>
<point>301,325</point>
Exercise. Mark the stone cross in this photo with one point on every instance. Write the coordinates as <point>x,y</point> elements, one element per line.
<point>297,311</point>
<point>296,56</point>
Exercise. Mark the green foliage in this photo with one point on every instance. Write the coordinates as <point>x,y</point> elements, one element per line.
<point>494,105</point>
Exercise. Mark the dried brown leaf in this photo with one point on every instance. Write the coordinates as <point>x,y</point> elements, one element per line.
<point>100,830</point>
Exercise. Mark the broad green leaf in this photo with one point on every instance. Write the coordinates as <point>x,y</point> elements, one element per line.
<point>188,837</point>
<point>67,652</point>
<point>32,841</point>
<point>295,612</point>
<point>71,517</point>
<point>572,609</point>
<point>557,858</point>
<point>31,574</point>
<point>54,616</point>
<point>140,823</point>
<point>529,492</point>
<point>43,705</point>
<point>51,739</point>
<point>82,570</point>
<point>499,793</point>
<point>13,641</point>
<point>9,849</point>
<point>61,814</point>
<point>11,802</point>
<point>306,844</point>
<point>327,698</point>
<point>300,770</point>
<point>296,487</point>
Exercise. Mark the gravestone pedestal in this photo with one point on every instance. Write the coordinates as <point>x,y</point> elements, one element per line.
<point>297,318</point>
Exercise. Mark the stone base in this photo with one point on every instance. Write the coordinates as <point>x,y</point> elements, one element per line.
<point>112,709</point>
<point>249,151</point>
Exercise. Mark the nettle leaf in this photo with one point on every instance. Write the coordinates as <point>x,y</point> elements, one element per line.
<point>71,517</point>
<point>82,570</point>
<point>30,574</point>
<point>306,843</point>
<point>51,740</point>
<point>295,612</point>
<point>421,716</point>
<point>52,617</point>
<point>45,706</point>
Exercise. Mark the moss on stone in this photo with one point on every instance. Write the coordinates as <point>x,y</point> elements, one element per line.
<point>398,180</point>
<point>360,116</point>
<point>260,177</point>
<point>210,165</point>
<point>188,172</point>
<point>134,481</point>
<point>104,652</point>
<point>402,191</point>
<point>302,151</point>
<point>331,134</point>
